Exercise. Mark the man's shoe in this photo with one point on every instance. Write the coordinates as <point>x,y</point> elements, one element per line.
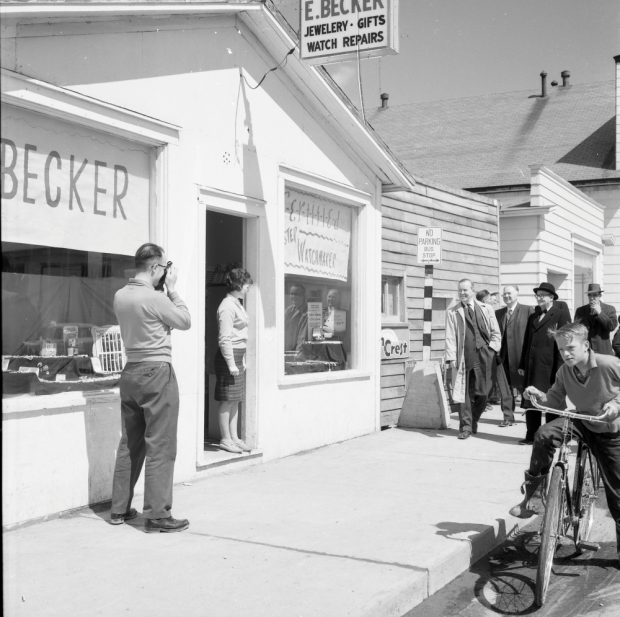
<point>526,442</point>
<point>464,434</point>
<point>118,519</point>
<point>165,525</point>
<point>505,423</point>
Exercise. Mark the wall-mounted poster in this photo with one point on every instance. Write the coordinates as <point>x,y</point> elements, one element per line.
<point>317,236</point>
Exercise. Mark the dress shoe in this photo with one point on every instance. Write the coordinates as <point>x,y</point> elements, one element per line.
<point>118,519</point>
<point>241,444</point>
<point>464,434</point>
<point>230,446</point>
<point>526,442</point>
<point>505,423</point>
<point>165,525</point>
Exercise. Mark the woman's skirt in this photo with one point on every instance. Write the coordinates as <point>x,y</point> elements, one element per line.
<point>229,387</point>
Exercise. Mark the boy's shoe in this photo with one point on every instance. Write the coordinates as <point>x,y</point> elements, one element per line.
<point>118,519</point>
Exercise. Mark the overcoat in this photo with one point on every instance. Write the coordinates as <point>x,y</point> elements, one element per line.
<point>455,343</point>
<point>599,326</point>
<point>540,357</point>
<point>513,334</point>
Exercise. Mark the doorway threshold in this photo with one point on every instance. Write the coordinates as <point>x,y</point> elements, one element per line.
<point>213,456</point>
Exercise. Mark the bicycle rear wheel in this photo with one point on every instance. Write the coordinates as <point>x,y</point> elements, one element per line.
<point>550,533</point>
<point>584,495</point>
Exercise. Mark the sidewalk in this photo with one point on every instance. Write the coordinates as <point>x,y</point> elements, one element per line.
<point>365,528</point>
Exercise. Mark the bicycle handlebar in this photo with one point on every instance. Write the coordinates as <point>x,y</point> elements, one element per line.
<point>565,413</point>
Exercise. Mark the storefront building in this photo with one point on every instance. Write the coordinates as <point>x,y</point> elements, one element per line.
<point>123,124</point>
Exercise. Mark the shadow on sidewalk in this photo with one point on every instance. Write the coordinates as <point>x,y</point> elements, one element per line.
<point>452,433</point>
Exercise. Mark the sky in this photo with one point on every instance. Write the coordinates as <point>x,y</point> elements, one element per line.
<point>460,48</point>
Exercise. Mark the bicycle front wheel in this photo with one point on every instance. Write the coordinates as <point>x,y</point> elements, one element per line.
<point>550,533</point>
<point>584,495</point>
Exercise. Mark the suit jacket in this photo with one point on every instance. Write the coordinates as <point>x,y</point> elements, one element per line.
<point>513,334</point>
<point>599,327</point>
<point>540,357</point>
<point>455,343</point>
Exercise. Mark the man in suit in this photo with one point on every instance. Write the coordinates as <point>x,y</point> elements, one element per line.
<point>600,320</point>
<point>512,320</point>
<point>540,357</point>
<point>472,340</point>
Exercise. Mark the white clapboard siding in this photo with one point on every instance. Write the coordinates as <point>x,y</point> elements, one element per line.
<point>538,241</point>
<point>470,248</point>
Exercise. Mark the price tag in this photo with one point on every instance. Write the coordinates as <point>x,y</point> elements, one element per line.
<point>61,377</point>
<point>5,363</point>
<point>96,364</point>
<point>29,369</point>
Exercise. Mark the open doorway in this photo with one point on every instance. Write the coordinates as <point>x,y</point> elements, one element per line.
<point>224,246</point>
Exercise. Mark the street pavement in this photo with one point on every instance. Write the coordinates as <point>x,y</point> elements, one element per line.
<point>369,527</point>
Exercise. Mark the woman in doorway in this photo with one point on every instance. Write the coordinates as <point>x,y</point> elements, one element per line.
<point>232,322</point>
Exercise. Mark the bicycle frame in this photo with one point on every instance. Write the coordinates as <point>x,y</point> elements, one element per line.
<point>564,508</point>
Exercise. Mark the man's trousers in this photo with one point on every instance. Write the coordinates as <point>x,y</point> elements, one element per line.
<point>149,415</point>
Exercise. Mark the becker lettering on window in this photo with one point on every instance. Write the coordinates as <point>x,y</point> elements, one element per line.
<point>57,180</point>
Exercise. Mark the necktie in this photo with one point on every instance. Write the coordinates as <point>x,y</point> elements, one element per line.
<point>509,314</point>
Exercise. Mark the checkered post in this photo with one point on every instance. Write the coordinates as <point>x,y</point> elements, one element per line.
<point>428,312</point>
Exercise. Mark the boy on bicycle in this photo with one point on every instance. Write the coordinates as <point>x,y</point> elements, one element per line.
<point>592,383</point>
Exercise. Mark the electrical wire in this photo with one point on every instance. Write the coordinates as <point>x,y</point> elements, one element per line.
<point>275,68</point>
<point>359,84</point>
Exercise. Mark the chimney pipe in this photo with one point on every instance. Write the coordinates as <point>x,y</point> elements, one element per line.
<point>543,84</point>
<point>565,75</point>
<point>384,100</point>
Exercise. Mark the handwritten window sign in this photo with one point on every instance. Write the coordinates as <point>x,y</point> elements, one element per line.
<point>336,30</point>
<point>68,186</point>
<point>429,245</point>
<point>317,236</point>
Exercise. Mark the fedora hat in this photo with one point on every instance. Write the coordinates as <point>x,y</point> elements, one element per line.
<point>594,288</point>
<point>547,288</point>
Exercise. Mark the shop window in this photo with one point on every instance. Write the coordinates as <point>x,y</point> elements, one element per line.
<point>392,299</point>
<point>59,331</point>
<point>317,283</point>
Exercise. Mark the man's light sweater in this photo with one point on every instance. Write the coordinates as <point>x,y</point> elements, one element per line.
<point>601,386</point>
<point>146,317</point>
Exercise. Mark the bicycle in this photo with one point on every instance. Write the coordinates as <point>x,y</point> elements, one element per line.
<point>566,508</point>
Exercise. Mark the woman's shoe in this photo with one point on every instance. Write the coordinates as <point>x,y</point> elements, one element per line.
<point>241,444</point>
<point>230,446</point>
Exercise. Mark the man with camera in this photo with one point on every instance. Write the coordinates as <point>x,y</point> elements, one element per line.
<point>147,309</point>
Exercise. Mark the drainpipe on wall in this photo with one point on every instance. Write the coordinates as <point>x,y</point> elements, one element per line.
<point>617,59</point>
<point>543,84</point>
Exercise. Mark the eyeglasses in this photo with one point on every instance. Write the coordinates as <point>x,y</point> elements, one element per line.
<point>543,296</point>
<point>166,266</point>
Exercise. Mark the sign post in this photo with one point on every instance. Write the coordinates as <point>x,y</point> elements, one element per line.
<point>425,404</point>
<point>429,253</point>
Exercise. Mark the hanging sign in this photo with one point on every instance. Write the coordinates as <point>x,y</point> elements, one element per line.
<point>336,30</point>
<point>429,245</point>
<point>68,186</point>
<point>317,236</point>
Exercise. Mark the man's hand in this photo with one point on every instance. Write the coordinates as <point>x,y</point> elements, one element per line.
<point>534,393</point>
<point>171,278</point>
<point>595,305</point>
<point>611,411</point>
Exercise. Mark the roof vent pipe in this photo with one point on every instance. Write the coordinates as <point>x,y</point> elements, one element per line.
<point>384,100</point>
<point>543,84</point>
<point>565,76</point>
